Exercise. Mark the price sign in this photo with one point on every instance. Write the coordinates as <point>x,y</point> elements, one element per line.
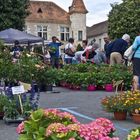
<point>18,89</point>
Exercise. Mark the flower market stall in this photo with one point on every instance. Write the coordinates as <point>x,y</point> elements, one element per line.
<point>12,35</point>
<point>91,77</point>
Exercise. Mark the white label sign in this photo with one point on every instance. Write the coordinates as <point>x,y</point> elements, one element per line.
<point>18,89</point>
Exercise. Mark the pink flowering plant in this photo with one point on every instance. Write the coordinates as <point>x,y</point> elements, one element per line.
<point>52,124</point>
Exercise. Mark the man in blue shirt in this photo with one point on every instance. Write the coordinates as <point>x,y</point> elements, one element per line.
<point>54,51</point>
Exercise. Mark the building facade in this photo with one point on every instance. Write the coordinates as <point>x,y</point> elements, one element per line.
<point>97,33</point>
<point>46,19</point>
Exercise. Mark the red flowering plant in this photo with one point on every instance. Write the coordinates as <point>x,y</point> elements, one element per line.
<point>55,125</point>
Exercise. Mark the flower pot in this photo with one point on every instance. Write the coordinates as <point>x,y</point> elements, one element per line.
<point>71,86</point>
<point>83,88</point>
<point>109,87</point>
<point>120,115</point>
<point>43,87</point>
<point>1,115</point>
<point>136,118</point>
<point>100,88</point>
<point>49,88</point>
<point>91,88</point>
<point>76,87</point>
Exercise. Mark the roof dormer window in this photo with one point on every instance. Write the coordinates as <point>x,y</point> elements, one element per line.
<point>39,10</point>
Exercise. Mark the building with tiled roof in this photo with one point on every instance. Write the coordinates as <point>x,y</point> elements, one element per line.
<point>46,19</point>
<point>98,32</point>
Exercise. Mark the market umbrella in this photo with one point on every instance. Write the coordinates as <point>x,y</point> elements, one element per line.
<point>11,35</point>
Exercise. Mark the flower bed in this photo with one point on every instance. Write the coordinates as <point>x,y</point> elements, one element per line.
<point>56,125</point>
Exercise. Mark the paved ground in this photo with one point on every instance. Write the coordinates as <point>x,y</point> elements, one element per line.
<point>84,105</point>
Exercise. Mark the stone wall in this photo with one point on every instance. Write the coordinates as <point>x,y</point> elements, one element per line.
<point>78,23</point>
<point>52,29</point>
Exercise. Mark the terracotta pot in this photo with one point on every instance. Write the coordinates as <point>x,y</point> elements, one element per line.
<point>136,118</point>
<point>120,115</point>
<point>1,115</point>
<point>91,88</point>
<point>109,87</point>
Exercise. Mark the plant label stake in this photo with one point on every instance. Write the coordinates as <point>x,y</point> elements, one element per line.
<point>116,84</point>
<point>18,90</point>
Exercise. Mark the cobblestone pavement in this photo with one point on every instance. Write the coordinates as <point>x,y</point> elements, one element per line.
<point>84,105</point>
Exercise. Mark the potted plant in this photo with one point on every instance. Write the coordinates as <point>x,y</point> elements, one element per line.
<point>134,103</point>
<point>136,115</point>
<point>11,112</point>
<point>91,80</point>
<point>45,78</point>
<point>100,80</point>
<point>3,102</point>
<point>108,82</point>
<point>117,105</point>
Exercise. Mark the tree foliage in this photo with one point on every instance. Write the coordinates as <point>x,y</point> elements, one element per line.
<point>124,18</point>
<point>13,13</point>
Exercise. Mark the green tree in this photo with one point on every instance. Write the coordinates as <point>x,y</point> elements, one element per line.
<point>124,18</point>
<point>13,13</point>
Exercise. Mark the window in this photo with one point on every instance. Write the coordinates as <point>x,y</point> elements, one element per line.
<point>42,32</point>
<point>64,33</point>
<point>39,10</point>
<point>80,35</point>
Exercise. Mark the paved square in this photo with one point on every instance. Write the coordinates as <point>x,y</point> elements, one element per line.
<point>84,105</point>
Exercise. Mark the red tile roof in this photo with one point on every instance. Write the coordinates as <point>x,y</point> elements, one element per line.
<point>78,6</point>
<point>47,12</point>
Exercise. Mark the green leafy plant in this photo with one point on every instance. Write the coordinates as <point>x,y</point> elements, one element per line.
<point>124,19</point>
<point>3,102</point>
<point>10,110</point>
<point>134,134</point>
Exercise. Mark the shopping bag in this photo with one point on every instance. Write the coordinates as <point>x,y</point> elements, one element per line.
<point>129,53</point>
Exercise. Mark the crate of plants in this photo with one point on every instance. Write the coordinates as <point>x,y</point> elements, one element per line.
<point>16,111</point>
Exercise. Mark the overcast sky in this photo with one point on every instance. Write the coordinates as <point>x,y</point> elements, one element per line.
<point>98,9</point>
